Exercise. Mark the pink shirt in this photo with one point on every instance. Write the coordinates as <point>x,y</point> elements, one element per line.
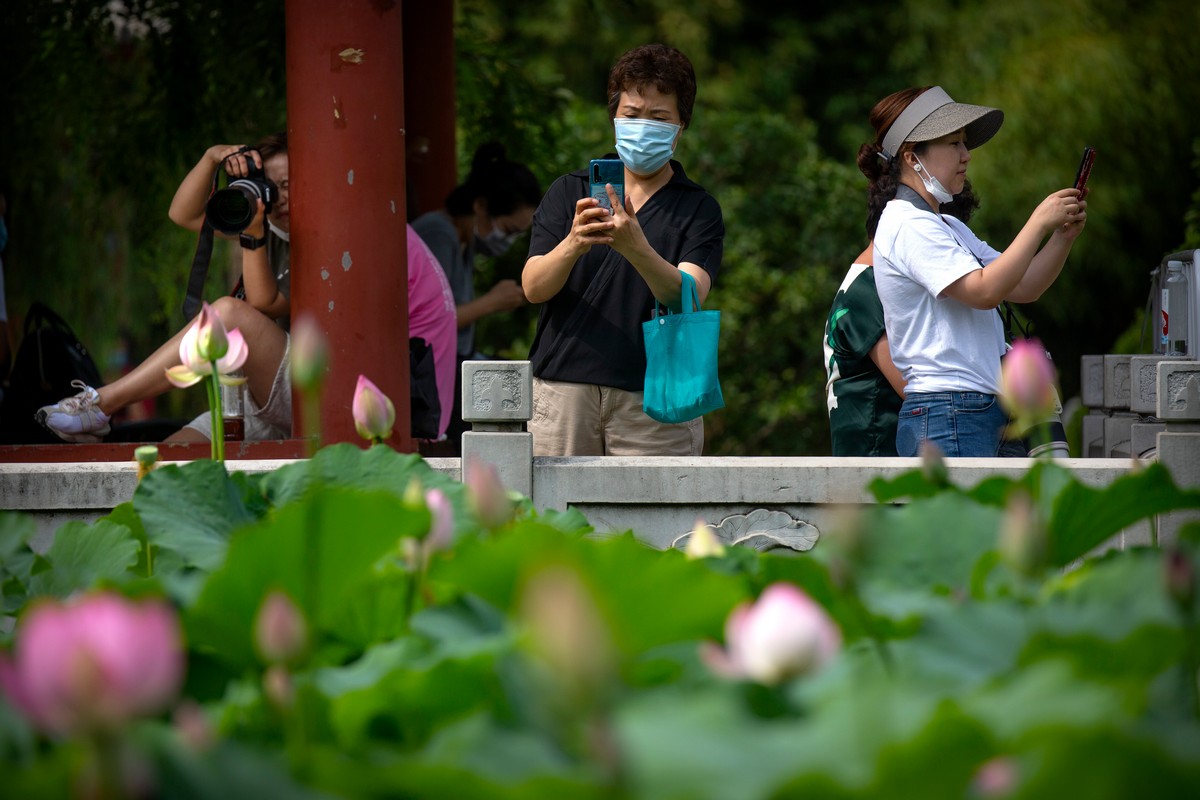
<point>431,315</point>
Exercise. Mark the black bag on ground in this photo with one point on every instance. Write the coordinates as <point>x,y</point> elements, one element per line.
<point>426,409</point>
<point>48,358</point>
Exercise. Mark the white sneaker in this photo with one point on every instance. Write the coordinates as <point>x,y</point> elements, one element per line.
<point>76,419</point>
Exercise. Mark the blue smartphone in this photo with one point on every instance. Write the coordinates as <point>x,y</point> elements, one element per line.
<point>603,171</point>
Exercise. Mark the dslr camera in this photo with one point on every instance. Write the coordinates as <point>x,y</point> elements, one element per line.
<point>230,210</point>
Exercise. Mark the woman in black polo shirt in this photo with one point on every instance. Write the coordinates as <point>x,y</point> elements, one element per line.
<point>597,274</point>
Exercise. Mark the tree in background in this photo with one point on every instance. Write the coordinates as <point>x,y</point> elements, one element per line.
<point>109,108</point>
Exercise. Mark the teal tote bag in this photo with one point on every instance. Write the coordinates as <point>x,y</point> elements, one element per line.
<point>681,360</point>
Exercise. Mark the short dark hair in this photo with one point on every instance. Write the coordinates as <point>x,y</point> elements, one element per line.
<point>503,184</point>
<point>658,65</point>
<point>272,145</point>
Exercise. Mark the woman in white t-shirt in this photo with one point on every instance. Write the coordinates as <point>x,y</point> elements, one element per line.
<point>939,283</point>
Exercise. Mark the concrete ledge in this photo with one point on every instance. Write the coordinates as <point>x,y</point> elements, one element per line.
<point>660,498</point>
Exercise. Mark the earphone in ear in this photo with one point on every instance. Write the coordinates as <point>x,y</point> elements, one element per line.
<point>917,167</point>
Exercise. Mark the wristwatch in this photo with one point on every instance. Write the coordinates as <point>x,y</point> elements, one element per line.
<point>250,243</point>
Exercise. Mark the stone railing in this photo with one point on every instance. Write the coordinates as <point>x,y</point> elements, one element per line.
<point>763,502</point>
<point>1146,407</point>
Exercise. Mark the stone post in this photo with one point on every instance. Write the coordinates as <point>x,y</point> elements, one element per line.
<point>497,399</point>
<point>1179,445</point>
<point>1091,375</point>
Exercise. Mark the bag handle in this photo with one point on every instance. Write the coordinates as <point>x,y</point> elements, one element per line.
<point>687,287</point>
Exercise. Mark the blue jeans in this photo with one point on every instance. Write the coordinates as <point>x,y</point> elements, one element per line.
<point>966,424</point>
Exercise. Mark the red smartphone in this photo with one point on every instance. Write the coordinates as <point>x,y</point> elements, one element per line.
<point>1085,168</point>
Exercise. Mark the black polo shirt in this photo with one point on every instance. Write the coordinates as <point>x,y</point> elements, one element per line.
<point>591,331</point>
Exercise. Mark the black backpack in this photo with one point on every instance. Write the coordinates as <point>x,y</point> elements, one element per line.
<point>49,357</point>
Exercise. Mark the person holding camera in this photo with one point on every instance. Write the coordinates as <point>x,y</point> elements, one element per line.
<point>598,273</point>
<point>259,309</point>
<point>940,285</point>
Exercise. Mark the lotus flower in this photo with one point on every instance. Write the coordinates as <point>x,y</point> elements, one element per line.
<point>374,414</point>
<point>93,664</point>
<point>1027,383</point>
<point>280,631</point>
<point>785,634</point>
<point>205,342</point>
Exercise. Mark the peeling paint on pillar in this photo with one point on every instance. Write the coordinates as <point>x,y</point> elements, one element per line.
<point>393,205</point>
<point>346,99</point>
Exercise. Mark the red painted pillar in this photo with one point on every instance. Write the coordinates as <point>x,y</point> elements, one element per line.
<point>429,103</point>
<point>345,97</point>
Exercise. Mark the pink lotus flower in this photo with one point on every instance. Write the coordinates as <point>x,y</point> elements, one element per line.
<point>94,663</point>
<point>785,634</point>
<point>487,494</point>
<point>205,342</point>
<point>280,632</point>
<point>374,414</point>
<point>1027,381</point>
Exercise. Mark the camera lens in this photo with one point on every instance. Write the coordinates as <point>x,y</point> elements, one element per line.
<point>595,173</point>
<point>230,210</point>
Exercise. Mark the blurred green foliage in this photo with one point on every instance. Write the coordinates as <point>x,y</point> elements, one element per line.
<point>539,658</point>
<point>103,124</point>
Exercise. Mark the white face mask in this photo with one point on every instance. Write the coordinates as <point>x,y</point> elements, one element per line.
<point>495,243</point>
<point>932,184</point>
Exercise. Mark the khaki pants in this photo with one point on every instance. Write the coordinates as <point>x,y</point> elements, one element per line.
<point>581,419</point>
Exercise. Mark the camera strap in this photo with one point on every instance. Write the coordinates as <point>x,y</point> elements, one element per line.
<point>200,262</point>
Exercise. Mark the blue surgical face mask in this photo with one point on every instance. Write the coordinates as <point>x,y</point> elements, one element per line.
<point>932,184</point>
<point>645,145</point>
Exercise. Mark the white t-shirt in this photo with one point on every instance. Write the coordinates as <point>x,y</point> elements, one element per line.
<point>937,343</point>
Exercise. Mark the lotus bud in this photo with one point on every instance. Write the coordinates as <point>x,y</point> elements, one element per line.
<point>1022,536</point>
<point>278,687</point>
<point>995,778</point>
<point>487,495</point>
<point>703,543</point>
<point>309,353</point>
<point>568,632</point>
<point>280,631</point>
<point>374,414</point>
<point>146,457</point>
<point>1027,381</point>
<point>933,465</point>
<point>212,341</point>
<point>193,727</point>
<point>414,494</point>
<point>441,532</point>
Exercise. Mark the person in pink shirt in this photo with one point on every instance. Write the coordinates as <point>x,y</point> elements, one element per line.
<point>431,317</point>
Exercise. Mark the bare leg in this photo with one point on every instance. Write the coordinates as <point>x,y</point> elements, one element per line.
<point>186,434</point>
<point>266,341</point>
